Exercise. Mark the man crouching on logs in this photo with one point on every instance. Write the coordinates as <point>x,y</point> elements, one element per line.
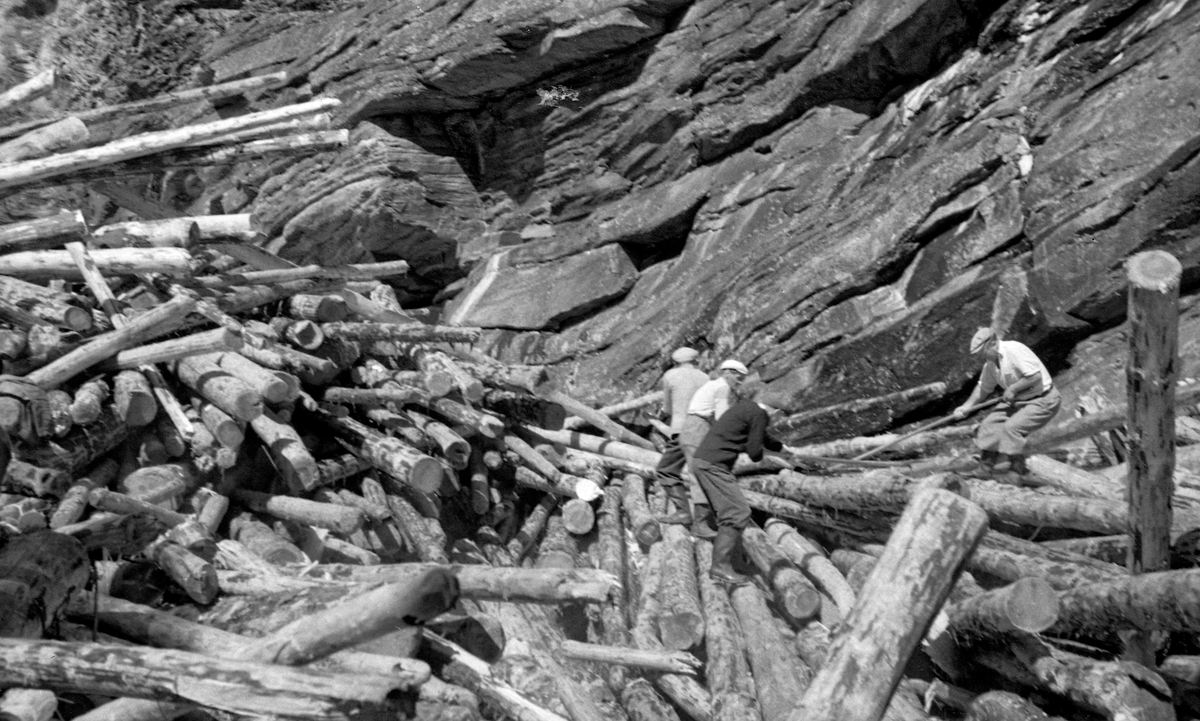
<point>1028,402</point>
<point>741,429</point>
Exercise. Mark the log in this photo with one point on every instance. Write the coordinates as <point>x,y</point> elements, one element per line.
<point>317,308</point>
<point>133,399</point>
<point>453,447</point>
<point>12,344</point>
<point>557,549</point>
<point>264,542</point>
<point>225,430</point>
<point>811,559</point>
<point>1113,690</point>
<point>39,572</point>
<point>524,408</point>
<point>800,425</point>
<point>936,532</point>
<point>194,575</point>
<point>578,516</point>
<point>522,378</point>
<point>1154,278</point>
<point>532,527</point>
<point>303,333</point>
<point>390,455</point>
<point>484,583</point>
<point>287,449</point>
<point>399,332</point>
<point>681,621</point>
<point>82,446</point>
<point>921,443</point>
<point>173,349</point>
<point>63,135</point>
<point>43,233</point>
<point>604,423</point>
<point>646,528</point>
<point>1002,706</point>
<point>27,704</point>
<point>1010,559</point>
<point>779,674</point>
<point>596,444</point>
<point>25,91</point>
<point>43,306</point>
<point>340,519</point>
<point>219,387</point>
<point>135,146</point>
<point>616,409</point>
<point>157,321</point>
<point>236,687</point>
<point>1030,604</point>
<point>1073,429</point>
<point>307,272</point>
<point>684,690</point>
<point>795,596</point>
<point>176,232</point>
<point>50,264</point>
<point>44,81</point>
<point>662,661</point>
<point>726,671</point>
<point>475,674</point>
<point>75,501</point>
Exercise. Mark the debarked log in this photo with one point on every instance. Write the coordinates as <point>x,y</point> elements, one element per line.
<point>482,583</point>
<point>662,661</point>
<point>238,687</point>
<point>110,261</point>
<point>43,233</point>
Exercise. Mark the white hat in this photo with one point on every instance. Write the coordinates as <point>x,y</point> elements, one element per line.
<point>732,365</point>
<point>980,339</point>
<point>684,355</point>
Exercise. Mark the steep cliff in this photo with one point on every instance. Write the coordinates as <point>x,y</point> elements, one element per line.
<point>835,192</point>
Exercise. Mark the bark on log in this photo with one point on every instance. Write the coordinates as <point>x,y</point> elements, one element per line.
<point>237,687</point>
<point>646,528</point>
<point>1030,605</point>
<point>317,308</point>
<point>1010,558</point>
<point>557,549</point>
<point>685,691</point>
<point>63,135</point>
<point>43,233</point>
<point>734,690</point>
<point>662,661</point>
<point>1063,432</point>
<point>472,672</point>
<point>52,264</point>
<point>79,449</point>
<point>779,674</point>
<point>596,444</point>
<point>934,535</point>
<point>340,519</point>
<point>793,426</point>
<point>395,458</point>
<point>1160,601</point>
<point>616,409</point>
<point>483,583</point>
<point>1154,278</point>
<point>526,378</point>
<point>287,449</point>
<point>880,490</point>
<point>133,399</point>
<point>18,174</point>
<point>1115,690</point>
<point>31,89</point>
<point>795,596</point>
<point>158,321</point>
<point>219,387</point>
<point>604,423</point>
<point>524,408</point>
<point>811,559</point>
<point>681,621</point>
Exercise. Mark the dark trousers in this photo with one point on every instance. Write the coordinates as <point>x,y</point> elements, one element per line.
<point>724,494</point>
<point>669,471</point>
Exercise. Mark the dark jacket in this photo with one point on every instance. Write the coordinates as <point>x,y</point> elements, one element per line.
<point>741,429</point>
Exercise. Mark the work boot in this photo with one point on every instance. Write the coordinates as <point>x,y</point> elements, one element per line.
<point>703,522</point>
<point>987,464</point>
<point>1016,464</point>
<point>679,498</point>
<point>724,545</point>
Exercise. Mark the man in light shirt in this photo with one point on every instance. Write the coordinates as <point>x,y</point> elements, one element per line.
<point>1028,402</point>
<point>708,404</point>
<point>679,385</point>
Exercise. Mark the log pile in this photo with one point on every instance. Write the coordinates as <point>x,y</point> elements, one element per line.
<point>259,489</point>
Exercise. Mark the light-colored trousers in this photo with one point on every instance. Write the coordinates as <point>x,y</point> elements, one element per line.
<point>1004,430</point>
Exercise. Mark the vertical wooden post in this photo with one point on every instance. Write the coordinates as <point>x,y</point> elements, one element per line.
<point>936,532</point>
<point>1150,381</point>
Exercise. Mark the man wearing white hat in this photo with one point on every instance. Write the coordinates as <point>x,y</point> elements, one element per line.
<point>679,385</point>
<point>1028,402</point>
<point>708,404</point>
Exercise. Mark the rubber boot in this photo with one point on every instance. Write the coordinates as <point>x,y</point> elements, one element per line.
<point>703,522</point>
<point>1016,464</point>
<point>724,545</point>
<point>987,463</point>
<point>679,498</point>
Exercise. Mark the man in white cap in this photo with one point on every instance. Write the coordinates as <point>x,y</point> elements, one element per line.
<point>708,404</point>
<point>679,385</point>
<point>1028,401</point>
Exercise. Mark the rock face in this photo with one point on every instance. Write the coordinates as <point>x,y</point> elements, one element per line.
<point>834,192</point>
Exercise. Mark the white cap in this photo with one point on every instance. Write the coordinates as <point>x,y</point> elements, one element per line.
<point>684,355</point>
<point>732,365</point>
<point>980,339</point>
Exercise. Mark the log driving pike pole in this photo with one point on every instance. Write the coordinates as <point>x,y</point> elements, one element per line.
<point>926,427</point>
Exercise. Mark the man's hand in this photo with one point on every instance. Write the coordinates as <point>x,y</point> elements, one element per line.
<point>1008,397</point>
<point>959,413</point>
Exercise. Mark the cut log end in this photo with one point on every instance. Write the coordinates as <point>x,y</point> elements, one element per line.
<point>426,475</point>
<point>1032,605</point>
<point>1154,270</point>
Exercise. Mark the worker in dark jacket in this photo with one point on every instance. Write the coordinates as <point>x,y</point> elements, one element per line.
<point>741,429</point>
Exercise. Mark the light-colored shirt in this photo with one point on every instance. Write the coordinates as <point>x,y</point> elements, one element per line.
<point>679,384</point>
<point>712,400</point>
<point>1016,362</point>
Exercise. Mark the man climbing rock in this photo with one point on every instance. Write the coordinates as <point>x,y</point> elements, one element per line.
<point>1028,401</point>
<point>679,385</point>
<point>741,429</point>
<point>707,405</point>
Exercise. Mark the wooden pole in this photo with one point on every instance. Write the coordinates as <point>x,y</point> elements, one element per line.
<point>31,89</point>
<point>1154,278</point>
<point>599,420</point>
<point>110,261</point>
<point>18,174</point>
<point>934,535</point>
<point>43,233</point>
<point>63,135</point>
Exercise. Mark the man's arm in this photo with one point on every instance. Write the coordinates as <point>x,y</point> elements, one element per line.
<point>979,393</point>
<point>757,438</point>
<point>1021,386</point>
